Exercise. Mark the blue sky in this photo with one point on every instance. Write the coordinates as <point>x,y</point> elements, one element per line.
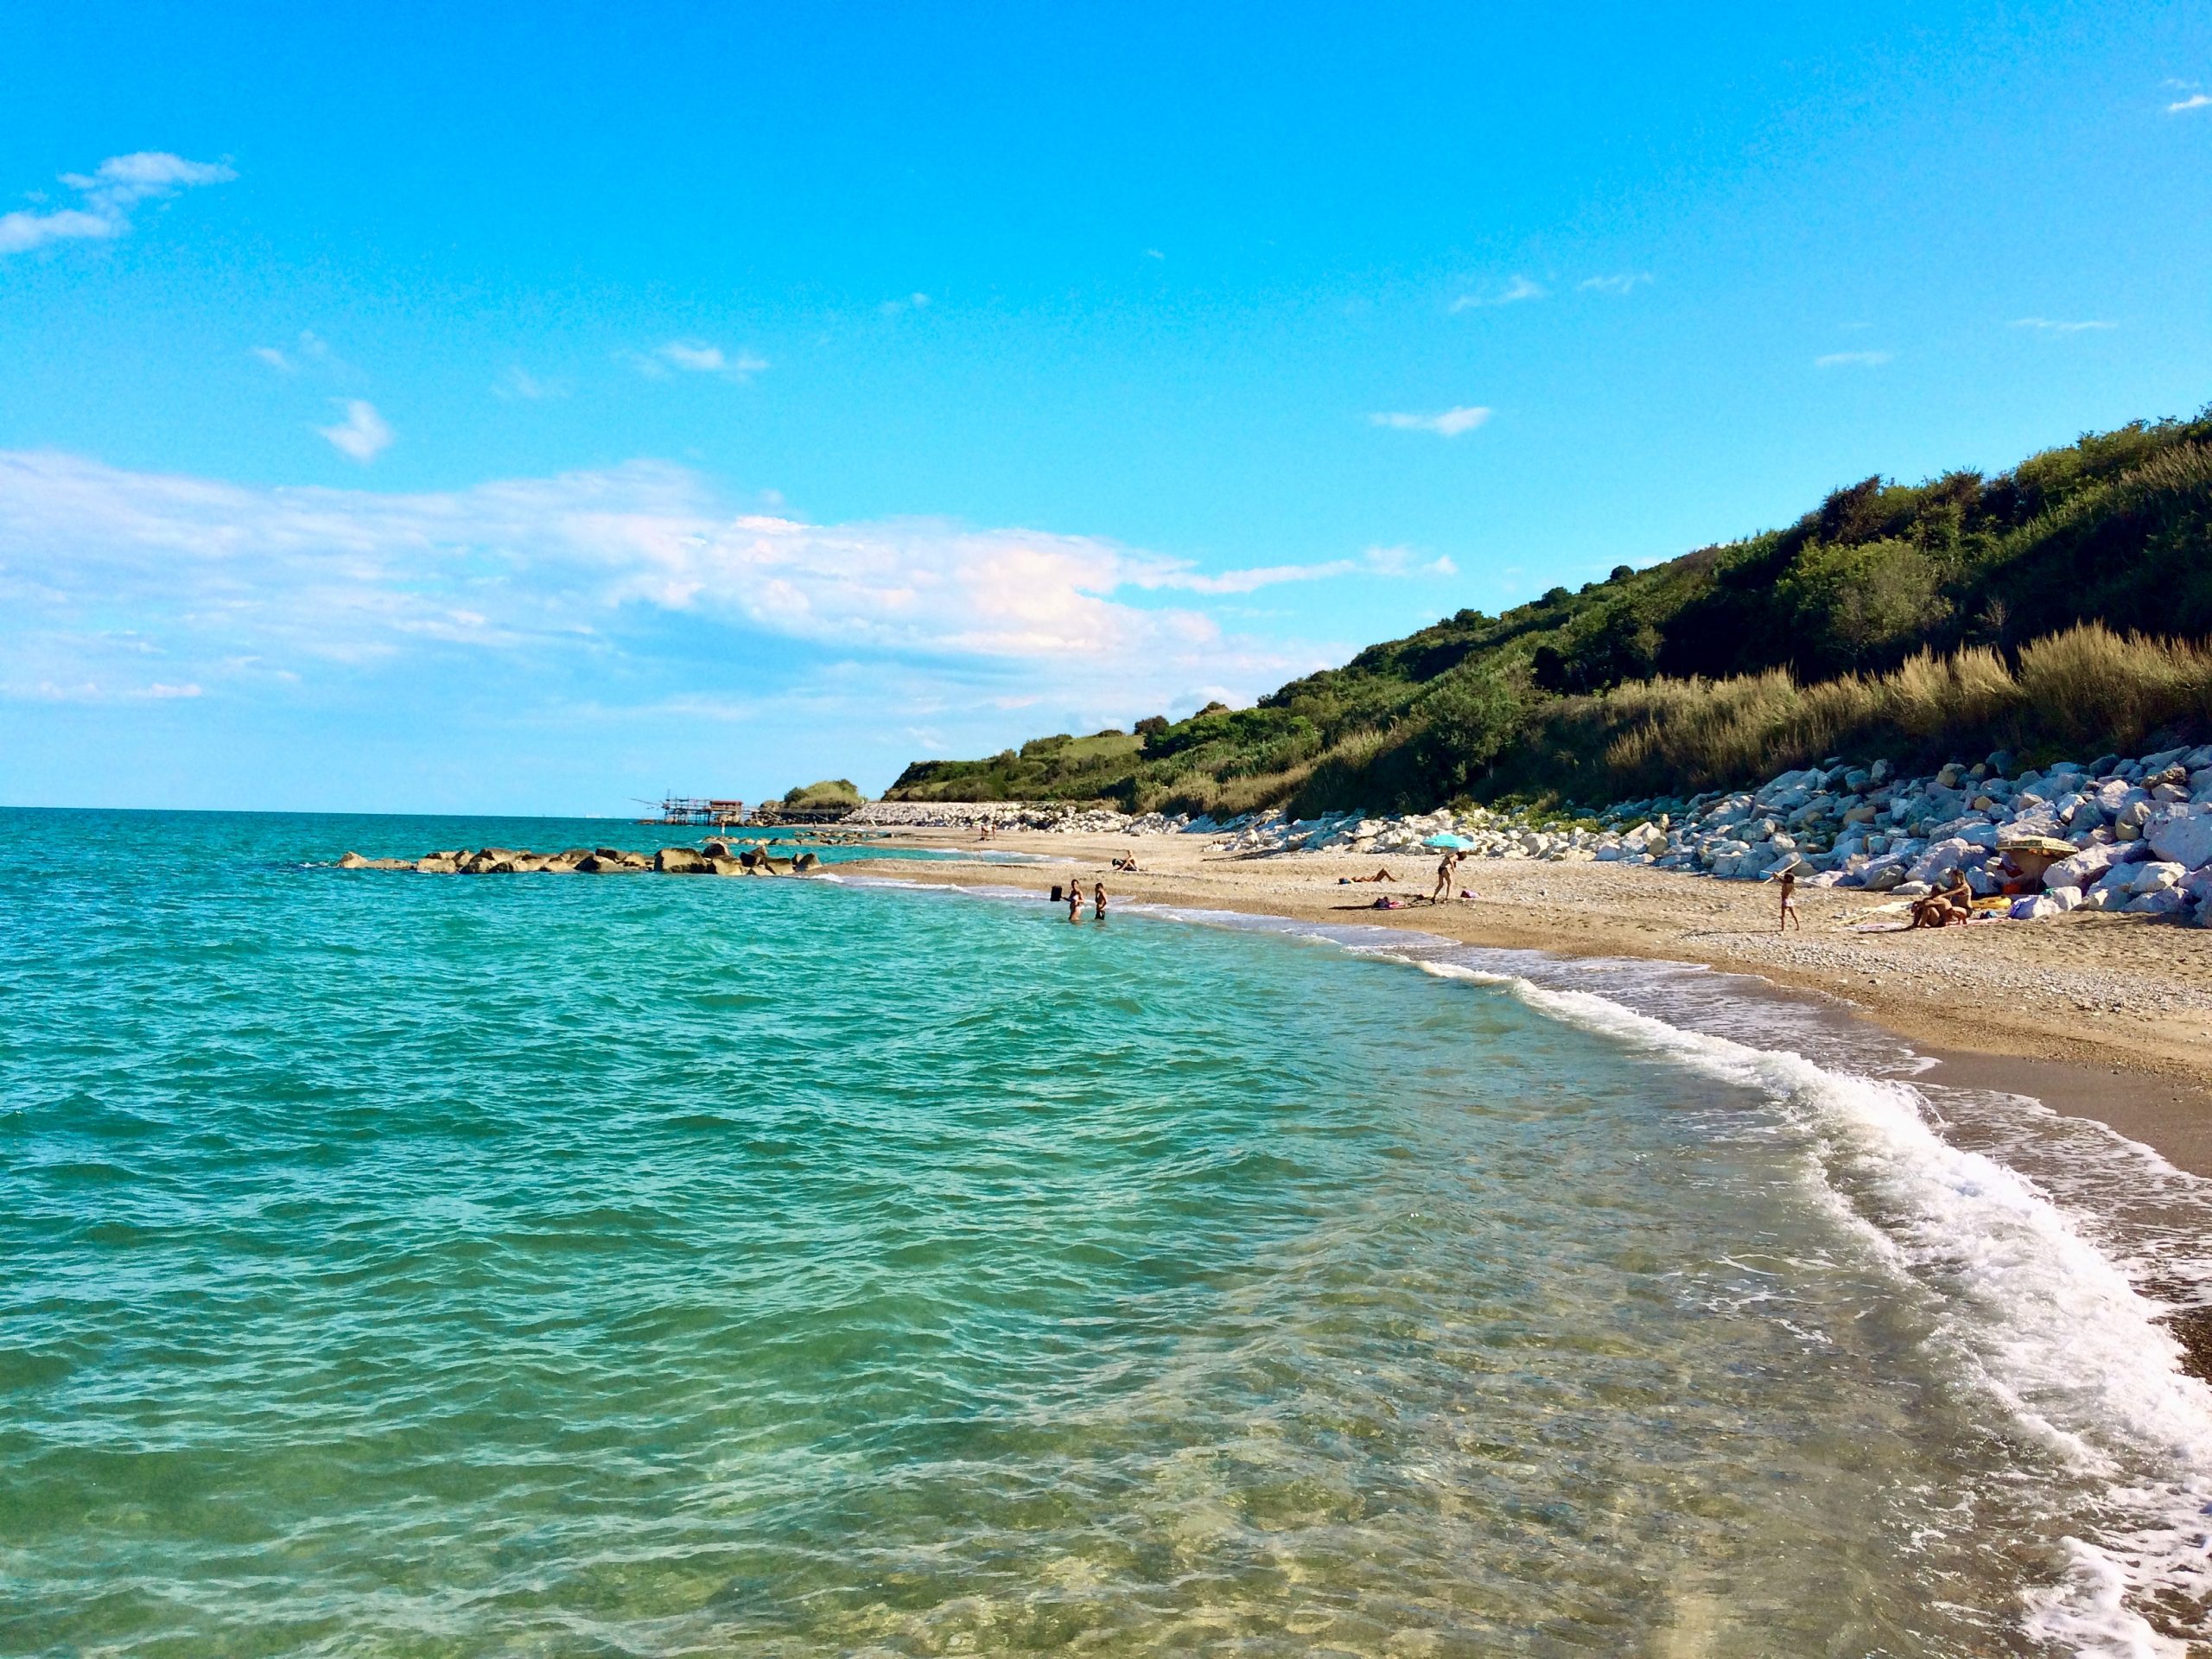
<point>531,409</point>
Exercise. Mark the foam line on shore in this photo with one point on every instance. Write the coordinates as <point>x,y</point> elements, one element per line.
<point>2033,1314</point>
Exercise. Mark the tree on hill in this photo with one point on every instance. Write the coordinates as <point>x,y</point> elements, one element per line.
<point>1710,651</point>
<point>832,791</point>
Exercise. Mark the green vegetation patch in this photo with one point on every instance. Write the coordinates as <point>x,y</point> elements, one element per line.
<point>1882,620</point>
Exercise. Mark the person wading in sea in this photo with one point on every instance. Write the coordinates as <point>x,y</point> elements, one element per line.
<point>1075,901</point>
<point>1098,911</point>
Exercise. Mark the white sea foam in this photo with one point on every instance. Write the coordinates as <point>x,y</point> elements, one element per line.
<point>2030,1311</point>
<point>2033,1313</point>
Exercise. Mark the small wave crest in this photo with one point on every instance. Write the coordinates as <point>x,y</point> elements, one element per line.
<point>2035,1316</point>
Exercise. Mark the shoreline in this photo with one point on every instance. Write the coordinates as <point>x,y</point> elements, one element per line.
<point>2103,1017</point>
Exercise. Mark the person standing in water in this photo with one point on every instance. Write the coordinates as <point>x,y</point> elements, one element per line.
<point>1098,910</point>
<point>1075,901</point>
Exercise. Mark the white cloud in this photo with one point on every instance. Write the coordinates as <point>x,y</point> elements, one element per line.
<point>311,349</point>
<point>1853,359</point>
<point>698,357</point>
<point>892,308</point>
<point>1404,561</point>
<point>520,383</point>
<point>1449,424</point>
<point>2194,101</point>
<point>2050,326</point>
<point>1153,253</point>
<point>1626,282</point>
<point>110,192</point>
<point>1514,292</point>
<point>591,569</point>
<point>363,434</point>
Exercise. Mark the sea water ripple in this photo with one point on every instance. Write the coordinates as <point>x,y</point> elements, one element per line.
<point>398,1265</point>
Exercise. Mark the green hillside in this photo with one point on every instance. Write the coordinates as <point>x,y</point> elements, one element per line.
<point>1896,618</point>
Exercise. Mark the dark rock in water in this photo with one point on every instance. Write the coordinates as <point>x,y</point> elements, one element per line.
<point>353,861</point>
<point>682,861</point>
<point>438,864</point>
<point>727,867</point>
<point>601,863</point>
<point>806,861</point>
<point>607,852</point>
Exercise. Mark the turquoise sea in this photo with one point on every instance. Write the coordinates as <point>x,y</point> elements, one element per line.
<point>408,1265</point>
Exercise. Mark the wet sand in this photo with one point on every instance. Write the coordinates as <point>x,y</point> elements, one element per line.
<point>2106,1017</point>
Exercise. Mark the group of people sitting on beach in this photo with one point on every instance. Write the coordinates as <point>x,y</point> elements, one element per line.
<point>1951,901</point>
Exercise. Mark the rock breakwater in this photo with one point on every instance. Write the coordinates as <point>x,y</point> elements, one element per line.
<point>714,858</point>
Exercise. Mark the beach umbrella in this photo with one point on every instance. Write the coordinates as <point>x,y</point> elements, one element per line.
<point>1457,843</point>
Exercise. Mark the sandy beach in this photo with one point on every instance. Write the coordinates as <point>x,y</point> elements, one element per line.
<point>2105,1016</point>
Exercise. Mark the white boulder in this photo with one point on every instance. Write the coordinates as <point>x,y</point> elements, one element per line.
<point>2183,834</point>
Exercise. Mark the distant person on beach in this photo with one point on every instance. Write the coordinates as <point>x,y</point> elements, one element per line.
<point>1379,875</point>
<point>1788,903</point>
<point>1445,868</point>
<point>1127,862</point>
<point>1099,910</point>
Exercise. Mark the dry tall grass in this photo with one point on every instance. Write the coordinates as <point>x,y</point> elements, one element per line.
<point>2087,688</point>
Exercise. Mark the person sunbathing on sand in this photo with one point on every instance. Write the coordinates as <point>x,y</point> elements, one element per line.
<point>1379,875</point>
<point>1127,862</point>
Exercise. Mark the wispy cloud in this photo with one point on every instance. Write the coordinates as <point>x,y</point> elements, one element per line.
<point>310,349</point>
<point>599,568</point>
<point>1626,282</point>
<point>363,434</point>
<point>698,357</point>
<point>2194,101</point>
<point>1153,253</point>
<point>892,308</point>
<point>2052,325</point>
<point>520,383</point>
<point>107,196</point>
<point>1853,359</point>
<point>1447,423</point>
<point>1374,562</point>
<point>1520,288</point>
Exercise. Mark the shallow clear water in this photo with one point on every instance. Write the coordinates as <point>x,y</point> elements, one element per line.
<point>400,1265</point>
